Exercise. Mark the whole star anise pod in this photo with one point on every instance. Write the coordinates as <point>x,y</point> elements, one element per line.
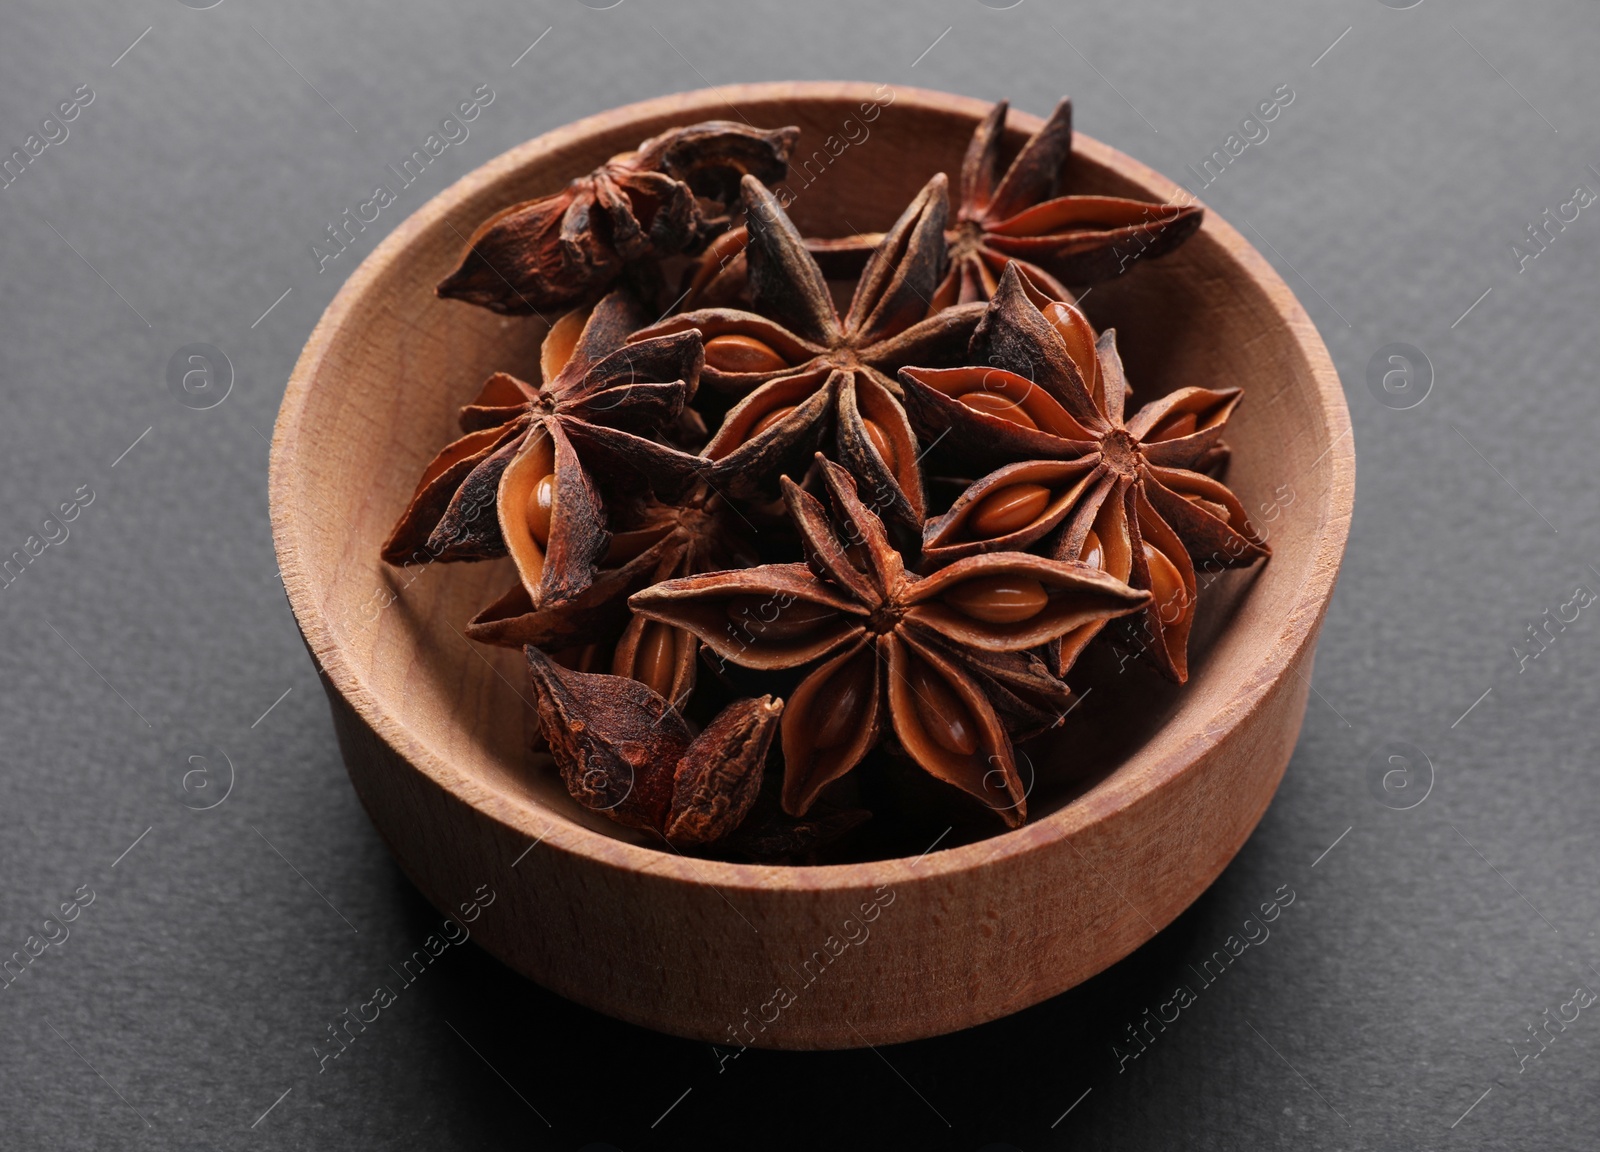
<point>624,751</point>
<point>565,249</point>
<point>805,373</point>
<point>1018,216</point>
<point>1123,496</point>
<point>519,482</point>
<point>871,633</point>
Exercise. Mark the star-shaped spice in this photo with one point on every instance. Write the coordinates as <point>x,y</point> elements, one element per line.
<point>1124,496</point>
<point>805,374</point>
<point>1017,215</point>
<point>519,481</point>
<point>874,638</point>
<point>567,248</point>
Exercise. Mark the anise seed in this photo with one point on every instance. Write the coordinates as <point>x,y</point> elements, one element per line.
<point>789,622</point>
<point>654,660</point>
<point>1166,585</point>
<point>767,421</point>
<point>541,503</point>
<point>944,717</point>
<point>1093,554</point>
<point>997,404</point>
<point>735,353</point>
<point>1007,510</point>
<point>841,704</point>
<point>999,599</point>
<point>1078,336</point>
<point>880,441</point>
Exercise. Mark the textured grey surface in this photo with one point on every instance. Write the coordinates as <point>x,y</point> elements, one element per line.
<point>1393,993</point>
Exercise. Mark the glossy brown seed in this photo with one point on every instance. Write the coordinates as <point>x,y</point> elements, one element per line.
<point>736,353</point>
<point>1007,510</point>
<point>998,599</point>
<point>840,707</point>
<point>768,618</point>
<point>997,404</point>
<point>880,441</point>
<point>1093,554</point>
<point>655,658</point>
<point>541,503</point>
<point>767,421</point>
<point>1166,584</point>
<point>1078,336</point>
<point>942,713</point>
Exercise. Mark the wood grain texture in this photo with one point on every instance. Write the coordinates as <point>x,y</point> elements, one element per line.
<point>433,728</point>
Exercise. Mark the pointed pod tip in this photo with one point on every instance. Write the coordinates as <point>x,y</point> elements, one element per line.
<point>1016,815</point>
<point>755,192</point>
<point>1010,278</point>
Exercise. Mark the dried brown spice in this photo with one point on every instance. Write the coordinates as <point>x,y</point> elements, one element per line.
<point>791,549</point>
<point>566,249</point>
<point>869,632</point>
<point>624,751</point>
<point>529,449</point>
<point>805,374</point>
<point>1017,215</point>
<point>1123,496</point>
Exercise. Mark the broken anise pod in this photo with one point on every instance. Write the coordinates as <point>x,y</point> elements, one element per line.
<point>567,248</point>
<point>1048,408</point>
<point>868,632</point>
<point>624,751</point>
<point>526,448</point>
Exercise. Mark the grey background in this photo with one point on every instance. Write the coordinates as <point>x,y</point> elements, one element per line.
<point>217,949</point>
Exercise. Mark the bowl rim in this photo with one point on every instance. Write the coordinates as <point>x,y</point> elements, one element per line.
<point>1115,793</point>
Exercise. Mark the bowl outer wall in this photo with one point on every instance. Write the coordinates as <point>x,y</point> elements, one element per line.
<point>702,948</point>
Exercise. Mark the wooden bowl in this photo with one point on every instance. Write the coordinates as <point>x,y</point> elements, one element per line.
<point>432,726</point>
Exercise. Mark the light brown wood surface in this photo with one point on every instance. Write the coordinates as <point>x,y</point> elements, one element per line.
<point>432,727</point>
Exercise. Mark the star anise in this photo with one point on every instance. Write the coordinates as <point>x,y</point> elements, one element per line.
<point>872,635</point>
<point>804,373</point>
<point>624,751</point>
<point>776,529</point>
<point>1018,216</point>
<point>1125,497</point>
<point>528,450</point>
<point>567,248</point>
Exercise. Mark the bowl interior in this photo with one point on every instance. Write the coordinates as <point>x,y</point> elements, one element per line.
<point>377,392</point>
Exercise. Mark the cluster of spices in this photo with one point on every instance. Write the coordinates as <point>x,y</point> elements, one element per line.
<point>761,540</point>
